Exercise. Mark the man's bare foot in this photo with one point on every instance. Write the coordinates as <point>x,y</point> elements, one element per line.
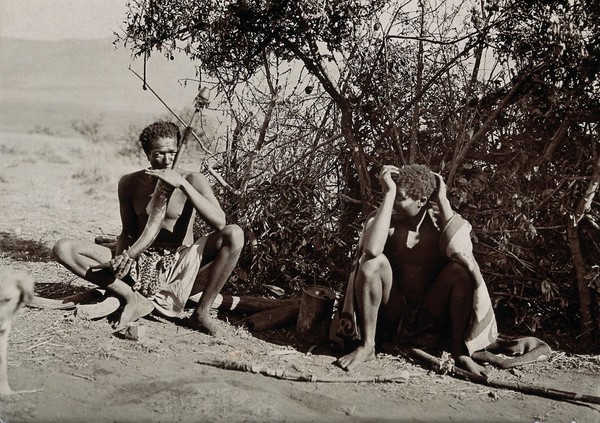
<point>136,308</point>
<point>466,363</point>
<point>205,324</point>
<point>361,354</point>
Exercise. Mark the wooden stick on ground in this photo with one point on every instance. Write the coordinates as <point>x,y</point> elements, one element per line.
<point>274,318</point>
<point>282,374</point>
<point>525,388</point>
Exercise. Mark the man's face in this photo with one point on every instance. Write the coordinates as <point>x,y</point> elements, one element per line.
<point>162,153</point>
<point>405,206</point>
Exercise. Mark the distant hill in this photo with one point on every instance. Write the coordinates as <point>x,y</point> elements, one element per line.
<point>51,83</point>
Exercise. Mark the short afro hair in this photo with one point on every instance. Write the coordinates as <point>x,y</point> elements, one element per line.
<point>416,180</point>
<point>156,131</point>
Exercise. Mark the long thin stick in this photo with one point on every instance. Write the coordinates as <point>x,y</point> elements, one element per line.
<point>211,170</point>
<point>282,374</point>
<point>525,388</point>
<point>206,150</point>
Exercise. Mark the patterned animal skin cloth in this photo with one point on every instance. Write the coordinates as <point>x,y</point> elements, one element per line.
<point>167,276</point>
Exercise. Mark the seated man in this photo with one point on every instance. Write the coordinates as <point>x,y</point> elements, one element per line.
<point>165,274</point>
<point>415,274</point>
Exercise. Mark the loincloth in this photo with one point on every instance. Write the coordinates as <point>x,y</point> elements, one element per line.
<point>149,272</point>
<point>418,326</point>
<point>167,276</point>
<point>410,323</point>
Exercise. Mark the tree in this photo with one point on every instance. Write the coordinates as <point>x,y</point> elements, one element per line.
<point>230,39</point>
<point>358,54</point>
<point>534,145</point>
<point>505,108</point>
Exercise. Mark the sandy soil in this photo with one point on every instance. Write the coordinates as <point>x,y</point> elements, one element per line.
<point>79,370</point>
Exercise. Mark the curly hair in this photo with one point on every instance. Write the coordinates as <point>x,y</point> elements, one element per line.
<point>417,181</point>
<point>158,130</point>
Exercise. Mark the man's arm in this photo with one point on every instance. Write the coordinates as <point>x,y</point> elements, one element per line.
<point>121,263</point>
<point>197,189</point>
<point>377,230</point>
<point>128,218</point>
<point>441,198</point>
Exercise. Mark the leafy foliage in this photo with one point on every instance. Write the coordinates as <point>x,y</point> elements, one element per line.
<point>293,237</point>
<point>229,37</point>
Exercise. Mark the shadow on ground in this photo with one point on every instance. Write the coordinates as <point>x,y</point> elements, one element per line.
<point>24,249</point>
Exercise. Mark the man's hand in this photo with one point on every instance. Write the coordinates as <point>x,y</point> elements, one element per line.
<point>170,176</point>
<point>385,178</point>
<point>440,192</point>
<point>121,264</point>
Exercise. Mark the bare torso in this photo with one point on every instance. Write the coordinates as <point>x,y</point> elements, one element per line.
<point>414,269</point>
<point>177,227</point>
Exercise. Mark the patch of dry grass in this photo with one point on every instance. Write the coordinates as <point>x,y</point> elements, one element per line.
<point>23,249</point>
<point>92,176</point>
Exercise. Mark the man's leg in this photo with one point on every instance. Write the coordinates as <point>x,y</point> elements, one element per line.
<point>372,287</point>
<point>451,295</point>
<point>222,250</point>
<point>78,256</point>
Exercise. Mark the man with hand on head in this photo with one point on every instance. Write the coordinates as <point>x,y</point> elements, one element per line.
<point>415,275</point>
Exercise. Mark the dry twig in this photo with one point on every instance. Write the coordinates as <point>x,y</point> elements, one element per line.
<point>525,388</point>
<point>282,374</point>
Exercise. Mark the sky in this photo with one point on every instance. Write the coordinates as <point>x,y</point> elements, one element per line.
<point>51,20</point>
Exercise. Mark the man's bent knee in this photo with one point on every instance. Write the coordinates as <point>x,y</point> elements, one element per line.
<point>233,236</point>
<point>63,249</point>
<point>373,267</point>
<point>458,275</point>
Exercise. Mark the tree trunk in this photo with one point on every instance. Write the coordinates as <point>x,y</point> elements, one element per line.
<point>586,322</point>
<point>358,155</point>
<point>274,318</point>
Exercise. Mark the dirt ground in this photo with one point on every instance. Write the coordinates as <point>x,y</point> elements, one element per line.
<point>79,370</point>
